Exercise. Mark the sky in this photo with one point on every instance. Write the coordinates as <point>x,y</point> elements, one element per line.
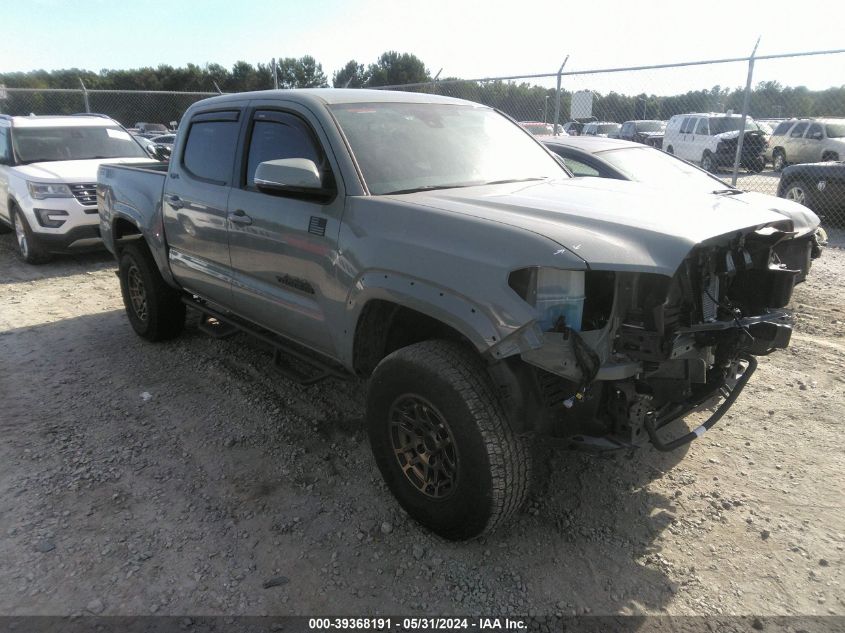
<point>465,38</point>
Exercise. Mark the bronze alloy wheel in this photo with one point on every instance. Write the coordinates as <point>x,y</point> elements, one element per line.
<point>424,446</point>
<point>137,292</point>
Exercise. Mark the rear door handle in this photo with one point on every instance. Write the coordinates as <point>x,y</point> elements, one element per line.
<point>174,201</point>
<point>239,217</point>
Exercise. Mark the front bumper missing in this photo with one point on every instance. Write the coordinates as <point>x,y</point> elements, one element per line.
<point>729,393</point>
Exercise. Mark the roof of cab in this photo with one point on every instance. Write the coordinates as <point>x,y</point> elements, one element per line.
<point>332,96</point>
<point>62,121</point>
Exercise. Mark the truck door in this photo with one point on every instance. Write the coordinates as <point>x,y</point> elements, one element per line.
<point>196,193</point>
<point>284,246</point>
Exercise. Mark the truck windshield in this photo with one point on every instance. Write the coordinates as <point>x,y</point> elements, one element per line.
<point>405,147</point>
<point>41,144</point>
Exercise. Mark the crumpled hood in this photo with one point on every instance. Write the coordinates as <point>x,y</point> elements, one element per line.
<point>70,171</point>
<point>611,224</point>
<point>803,219</point>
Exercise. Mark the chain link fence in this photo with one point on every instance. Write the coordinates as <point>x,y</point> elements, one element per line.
<point>791,128</point>
<point>695,110</point>
<point>125,106</point>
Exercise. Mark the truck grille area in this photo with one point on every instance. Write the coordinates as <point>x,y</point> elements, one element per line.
<point>86,193</point>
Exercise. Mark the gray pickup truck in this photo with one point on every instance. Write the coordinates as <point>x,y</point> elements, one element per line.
<point>433,246</point>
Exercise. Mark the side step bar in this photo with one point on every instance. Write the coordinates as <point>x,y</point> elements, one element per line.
<point>289,359</point>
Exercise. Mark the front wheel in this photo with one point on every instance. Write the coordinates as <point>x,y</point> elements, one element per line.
<point>707,161</point>
<point>29,248</point>
<point>441,441</point>
<point>778,160</point>
<point>154,308</point>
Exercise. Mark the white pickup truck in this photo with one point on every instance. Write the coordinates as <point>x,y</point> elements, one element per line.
<point>48,179</point>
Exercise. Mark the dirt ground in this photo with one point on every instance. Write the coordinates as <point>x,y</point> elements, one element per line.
<point>179,478</point>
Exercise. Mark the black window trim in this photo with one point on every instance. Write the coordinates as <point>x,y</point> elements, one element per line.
<point>221,115</point>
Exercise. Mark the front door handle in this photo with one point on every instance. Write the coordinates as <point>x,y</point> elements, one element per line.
<point>239,217</point>
<point>174,201</point>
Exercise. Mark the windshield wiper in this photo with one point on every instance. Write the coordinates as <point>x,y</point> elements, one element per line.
<point>727,192</point>
<point>431,188</point>
<point>504,182</point>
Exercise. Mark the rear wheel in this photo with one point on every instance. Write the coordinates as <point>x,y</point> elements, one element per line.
<point>670,150</point>
<point>799,192</point>
<point>154,308</point>
<point>441,440</point>
<point>778,160</point>
<point>29,248</point>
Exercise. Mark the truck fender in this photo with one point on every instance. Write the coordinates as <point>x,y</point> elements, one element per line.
<point>112,213</point>
<point>474,320</point>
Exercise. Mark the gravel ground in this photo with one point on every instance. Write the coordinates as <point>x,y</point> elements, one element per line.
<point>189,478</point>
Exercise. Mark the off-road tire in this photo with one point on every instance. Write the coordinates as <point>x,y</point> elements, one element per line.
<point>155,310</point>
<point>493,465</point>
<point>29,248</point>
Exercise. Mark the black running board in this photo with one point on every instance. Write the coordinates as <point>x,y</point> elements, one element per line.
<point>286,354</point>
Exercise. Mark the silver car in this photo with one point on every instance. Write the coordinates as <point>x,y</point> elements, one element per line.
<point>806,141</point>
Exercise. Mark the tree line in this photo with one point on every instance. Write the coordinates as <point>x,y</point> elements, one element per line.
<point>521,100</point>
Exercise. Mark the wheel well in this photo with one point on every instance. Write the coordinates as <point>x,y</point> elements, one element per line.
<point>124,230</point>
<point>384,326</point>
<point>830,155</point>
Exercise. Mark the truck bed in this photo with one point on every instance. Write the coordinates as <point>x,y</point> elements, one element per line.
<point>133,191</point>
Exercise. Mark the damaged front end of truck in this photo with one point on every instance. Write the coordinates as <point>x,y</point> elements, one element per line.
<point>624,354</point>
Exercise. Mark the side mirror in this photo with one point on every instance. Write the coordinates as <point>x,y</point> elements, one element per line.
<point>290,176</point>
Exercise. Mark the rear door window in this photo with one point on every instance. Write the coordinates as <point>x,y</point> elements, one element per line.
<point>798,130</point>
<point>702,127</point>
<point>210,147</point>
<point>816,129</point>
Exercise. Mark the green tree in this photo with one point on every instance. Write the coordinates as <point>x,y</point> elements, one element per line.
<point>352,75</point>
<point>304,72</point>
<point>393,69</point>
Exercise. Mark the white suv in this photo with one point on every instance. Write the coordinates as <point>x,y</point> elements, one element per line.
<point>710,139</point>
<point>48,179</point>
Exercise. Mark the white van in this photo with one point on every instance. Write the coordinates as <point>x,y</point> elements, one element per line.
<point>710,139</point>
